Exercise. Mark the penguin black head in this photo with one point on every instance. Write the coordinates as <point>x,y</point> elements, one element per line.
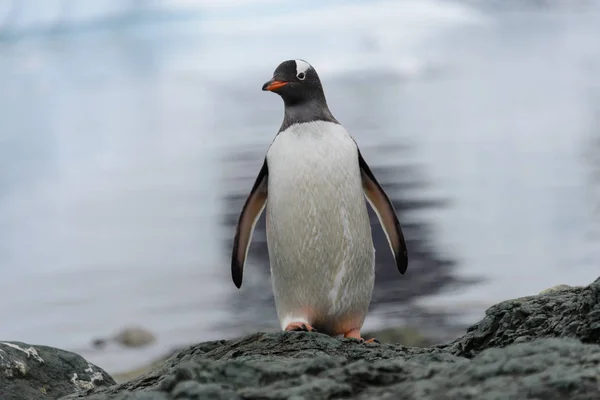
<point>297,82</point>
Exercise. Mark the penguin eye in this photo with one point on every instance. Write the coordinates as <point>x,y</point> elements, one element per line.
<point>301,76</point>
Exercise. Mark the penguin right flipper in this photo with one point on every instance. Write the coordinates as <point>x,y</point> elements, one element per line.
<point>251,211</point>
<point>386,213</point>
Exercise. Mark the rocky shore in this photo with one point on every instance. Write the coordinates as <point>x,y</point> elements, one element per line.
<point>545,346</point>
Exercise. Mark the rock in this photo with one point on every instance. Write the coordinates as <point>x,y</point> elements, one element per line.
<point>314,366</point>
<point>144,369</point>
<point>406,336</point>
<point>40,372</point>
<point>540,347</point>
<point>133,336</point>
<point>284,363</point>
<point>569,312</point>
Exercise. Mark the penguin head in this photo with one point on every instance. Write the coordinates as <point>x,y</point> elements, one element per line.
<point>296,81</point>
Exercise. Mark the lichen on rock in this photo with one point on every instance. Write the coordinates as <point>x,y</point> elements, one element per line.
<point>30,372</point>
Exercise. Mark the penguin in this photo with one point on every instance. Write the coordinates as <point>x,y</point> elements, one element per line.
<point>315,185</point>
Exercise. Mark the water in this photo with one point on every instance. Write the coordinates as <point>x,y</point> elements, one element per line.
<point>119,147</point>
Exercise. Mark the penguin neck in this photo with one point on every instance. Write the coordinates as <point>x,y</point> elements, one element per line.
<point>314,109</point>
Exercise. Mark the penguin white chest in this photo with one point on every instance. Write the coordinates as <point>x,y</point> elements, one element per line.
<point>318,229</point>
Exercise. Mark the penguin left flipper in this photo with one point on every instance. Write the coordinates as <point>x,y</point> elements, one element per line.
<point>386,213</point>
<point>253,208</point>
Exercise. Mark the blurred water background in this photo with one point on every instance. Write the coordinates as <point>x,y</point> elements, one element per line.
<point>131,131</point>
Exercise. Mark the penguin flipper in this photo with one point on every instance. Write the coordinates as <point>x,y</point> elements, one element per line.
<point>253,208</point>
<point>386,213</point>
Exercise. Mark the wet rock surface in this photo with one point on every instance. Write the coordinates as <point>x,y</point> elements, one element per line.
<point>40,372</point>
<point>539,347</point>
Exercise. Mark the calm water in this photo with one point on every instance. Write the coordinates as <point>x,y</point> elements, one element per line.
<point>118,146</point>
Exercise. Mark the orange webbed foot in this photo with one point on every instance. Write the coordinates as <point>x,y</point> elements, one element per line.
<point>300,327</point>
<point>372,340</point>
<point>355,334</point>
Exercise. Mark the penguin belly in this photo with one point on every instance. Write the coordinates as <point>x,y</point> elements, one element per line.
<point>318,231</point>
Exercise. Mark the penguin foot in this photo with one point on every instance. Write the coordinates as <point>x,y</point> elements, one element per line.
<point>300,327</point>
<point>355,334</point>
<point>372,340</point>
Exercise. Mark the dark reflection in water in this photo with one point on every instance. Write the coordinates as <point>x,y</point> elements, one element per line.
<point>429,272</point>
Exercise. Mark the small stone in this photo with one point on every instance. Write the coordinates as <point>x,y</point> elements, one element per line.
<point>134,336</point>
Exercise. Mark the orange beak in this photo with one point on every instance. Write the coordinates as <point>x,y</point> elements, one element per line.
<point>274,84</point>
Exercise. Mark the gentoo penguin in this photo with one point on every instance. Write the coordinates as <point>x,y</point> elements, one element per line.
<point>313,184</point>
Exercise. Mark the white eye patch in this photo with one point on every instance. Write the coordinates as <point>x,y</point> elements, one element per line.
<point>301,68</point>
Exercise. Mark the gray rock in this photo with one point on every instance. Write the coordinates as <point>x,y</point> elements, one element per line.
<point>541,347</point>
<point>40,372</point>
<point>569,312</point>
<point>270,366</point>
<point>313,366</point>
